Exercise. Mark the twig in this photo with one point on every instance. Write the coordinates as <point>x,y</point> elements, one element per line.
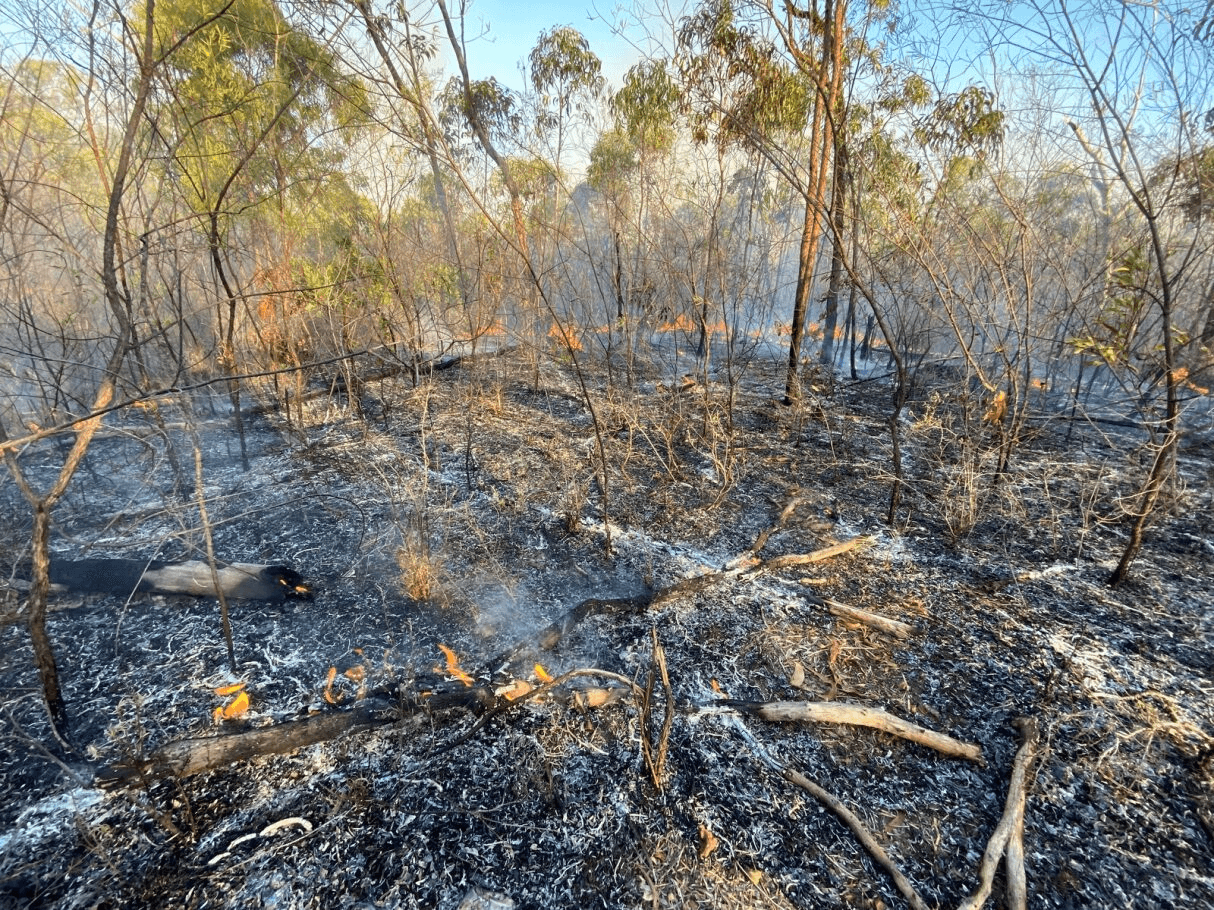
<point>655,756</point>
<point>849,818</point>
<point>1009,832</point>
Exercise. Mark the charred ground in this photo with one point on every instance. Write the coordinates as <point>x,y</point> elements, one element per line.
<point>466,511</point>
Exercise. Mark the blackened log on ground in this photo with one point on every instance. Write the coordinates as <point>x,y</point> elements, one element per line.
<point>238,581</point>
<point>383,707</point>
<point>190,756</point>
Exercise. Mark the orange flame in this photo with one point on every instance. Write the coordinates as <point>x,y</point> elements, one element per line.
<point>453,668</point>
<point>230,690</point>
<point>543,675</point>
<point>236,707</point>
<point>330,696</point>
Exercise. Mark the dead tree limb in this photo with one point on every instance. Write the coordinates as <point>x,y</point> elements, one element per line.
<point>882,623</point>
<point>834,712</point>
<point>794,500</point>
<point>787,561</point>
<point>1008,837</point>
<point>190,756</point>
<point>655,753</point>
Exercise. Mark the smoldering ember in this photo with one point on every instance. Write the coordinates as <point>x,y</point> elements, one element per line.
<point>724,454</point>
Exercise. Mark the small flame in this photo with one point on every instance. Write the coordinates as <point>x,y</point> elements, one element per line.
<point>330,696</point>
<point>230,690</point>
<point>236,707</point>
<point>543,675</point>
<point>453,668</point>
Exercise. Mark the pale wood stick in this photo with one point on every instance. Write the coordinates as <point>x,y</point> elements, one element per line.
<point>834,712</point>
<point>802,559</point>
<point>1010,825</point>
<point>885,624</point>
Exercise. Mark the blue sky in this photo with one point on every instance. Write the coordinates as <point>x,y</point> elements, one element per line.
<point>514,27</point>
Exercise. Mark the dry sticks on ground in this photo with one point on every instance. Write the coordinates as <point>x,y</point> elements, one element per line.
<point>1008,840</point>
<point>834,712</point>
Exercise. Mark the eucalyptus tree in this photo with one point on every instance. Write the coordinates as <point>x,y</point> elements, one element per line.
<point>624,169</point>
<point>784,69</point>
<point>241,111</point>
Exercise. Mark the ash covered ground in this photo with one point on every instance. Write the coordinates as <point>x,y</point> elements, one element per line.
<point>467,512</point>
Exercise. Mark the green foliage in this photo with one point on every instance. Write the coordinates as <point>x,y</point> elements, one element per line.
<point>487,102</point>
<point>1127,306</point>
<point>563,69</point>
<point>612,160</point>
<point>250,95</point>
<point>39,137</point>
<point>646,105</point>
<point>739,88</point>
<point>963,124</point>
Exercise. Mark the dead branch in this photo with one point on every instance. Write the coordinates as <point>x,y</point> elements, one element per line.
<point>849,818</point>
<point>834,712</point>
<point>1008,837</point>
<point>655,754</point>
<point>801,559</point>
<point>845,815</point>
<point>883,623</point>
<point>794,500</point>
<point>382,707</point>
<point>190,756</point>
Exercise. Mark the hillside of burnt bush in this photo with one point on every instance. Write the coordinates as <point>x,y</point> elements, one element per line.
<point>467,511</point>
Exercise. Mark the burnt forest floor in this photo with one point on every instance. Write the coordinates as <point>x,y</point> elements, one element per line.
<point>466,512</point>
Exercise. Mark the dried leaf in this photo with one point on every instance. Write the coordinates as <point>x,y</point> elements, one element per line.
<point>796,678</point>
<point>708,841</point>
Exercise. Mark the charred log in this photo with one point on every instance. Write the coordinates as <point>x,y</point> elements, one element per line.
<point>239,581</point>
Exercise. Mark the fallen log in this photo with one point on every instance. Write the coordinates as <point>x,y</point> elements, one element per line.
<point>382,707</point>
<point>190,756</point>
<point>834,712</point>
<point>123,577</point>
